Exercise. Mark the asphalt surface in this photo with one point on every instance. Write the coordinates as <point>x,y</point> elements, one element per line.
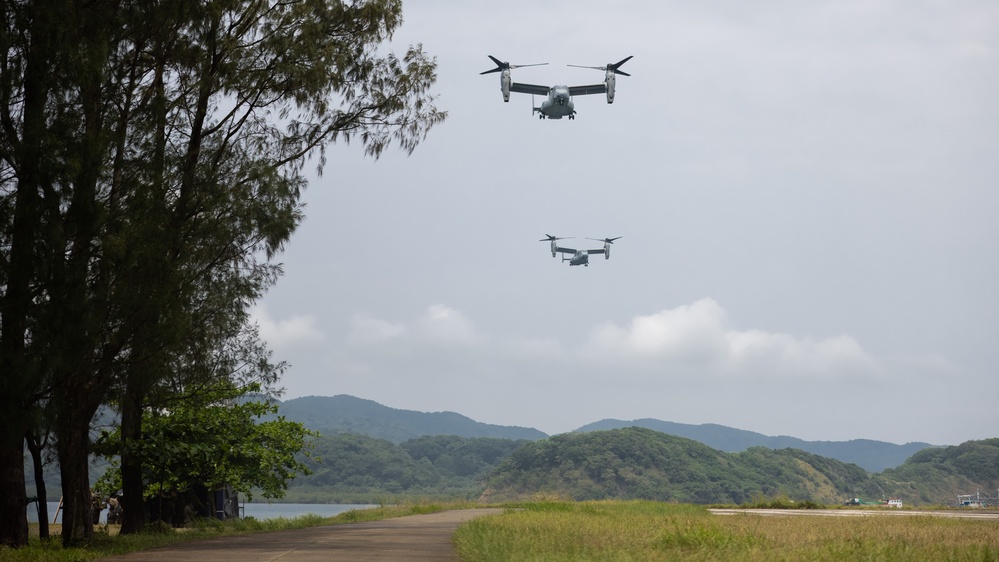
<point>414,537</point>
<point>881,512</point>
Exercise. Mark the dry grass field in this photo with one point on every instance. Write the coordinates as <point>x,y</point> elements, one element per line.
<point>652,531</point>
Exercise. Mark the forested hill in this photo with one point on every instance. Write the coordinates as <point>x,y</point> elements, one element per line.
<point>639,463</point>
<point>945,472</point>
<point>347,414</point>
<point>873,456</point>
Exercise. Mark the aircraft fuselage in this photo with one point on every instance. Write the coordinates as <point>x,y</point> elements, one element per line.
<point>558,105</point>
<point>581,257</point>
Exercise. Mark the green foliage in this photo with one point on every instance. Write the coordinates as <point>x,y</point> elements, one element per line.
<point>937,475</point>
<point>637,463</point>
<point>975,460</point>
<point>152,166</point>
<point>873,456</point>
<point>630,463</point>
<point>215,440</point>
<point>362,468</point>
<point>626,463</point>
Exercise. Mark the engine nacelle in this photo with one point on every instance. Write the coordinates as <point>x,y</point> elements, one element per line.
<point>606,250</point>
<point>505,82</point>
<point>554,248</point>
<point>610,82</point>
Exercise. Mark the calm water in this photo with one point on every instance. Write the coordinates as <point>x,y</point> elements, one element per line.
<point>291,510</point>
<point>256,510</point>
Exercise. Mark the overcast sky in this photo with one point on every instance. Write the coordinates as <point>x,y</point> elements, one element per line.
<point>807,194</point>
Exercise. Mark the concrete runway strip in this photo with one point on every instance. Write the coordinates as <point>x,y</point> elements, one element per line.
<point>965,514</point>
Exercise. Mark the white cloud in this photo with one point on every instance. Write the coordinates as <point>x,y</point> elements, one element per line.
<point>440,324</point>
<point>686,331</point>
<point>294,331</point>
<point>367,330</point>
<point>698,335</point>
<point>444,325</point>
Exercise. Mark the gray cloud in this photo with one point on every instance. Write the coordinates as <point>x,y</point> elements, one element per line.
<point>806,193</point>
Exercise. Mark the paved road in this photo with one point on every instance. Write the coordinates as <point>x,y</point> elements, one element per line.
<point>414,537</point>
<point>964,514</point>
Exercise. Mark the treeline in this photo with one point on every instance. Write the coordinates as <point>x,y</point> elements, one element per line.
<point>637,463</point>
<point>152,160</point>
<point>939,474</point>
<point>629,463</point>
<point>353,468</point>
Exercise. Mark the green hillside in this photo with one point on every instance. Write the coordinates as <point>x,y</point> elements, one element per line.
<point>939,475</point>
<point>873,456</point>
<point>353,468</point>
<point>639,463</point>
<point>348,414</point>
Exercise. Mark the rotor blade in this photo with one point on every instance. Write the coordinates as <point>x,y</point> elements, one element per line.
<point>620,62</point>
<point>607,240</point>
<point>500,65</point>
<point>615,67</point>
<point>609,66</point>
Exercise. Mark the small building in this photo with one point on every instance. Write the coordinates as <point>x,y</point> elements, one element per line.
<point>894,502</point>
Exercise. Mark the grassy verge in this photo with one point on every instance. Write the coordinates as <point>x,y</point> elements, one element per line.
<point>563,531</point>
<point>107,542</point>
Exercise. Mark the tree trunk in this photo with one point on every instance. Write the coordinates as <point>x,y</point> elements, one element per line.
<point>13,500</point>
<point>133,508</point>
<point>74,447</point>
<point>35,448</point>
<point>19,380</point>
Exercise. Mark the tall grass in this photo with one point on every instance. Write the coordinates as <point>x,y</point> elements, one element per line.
<point>647,531</point>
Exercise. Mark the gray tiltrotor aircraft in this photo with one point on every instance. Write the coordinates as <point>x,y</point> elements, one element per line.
<point>559,103</point>
<point>579,257</point>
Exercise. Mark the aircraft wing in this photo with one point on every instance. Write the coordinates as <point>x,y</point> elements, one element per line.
<point>529,89</point>
<point>591,89</point>
<point>600,251</point>
<point>562,250</point>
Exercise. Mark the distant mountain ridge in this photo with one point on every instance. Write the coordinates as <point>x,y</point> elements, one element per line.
<point>872,456</point>
<point>348,414</point>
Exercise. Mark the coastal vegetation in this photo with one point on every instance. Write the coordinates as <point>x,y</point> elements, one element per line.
<point>630,463</point>
<point>350,468</point>
<point>556,531</point>
<point>343,413</point>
